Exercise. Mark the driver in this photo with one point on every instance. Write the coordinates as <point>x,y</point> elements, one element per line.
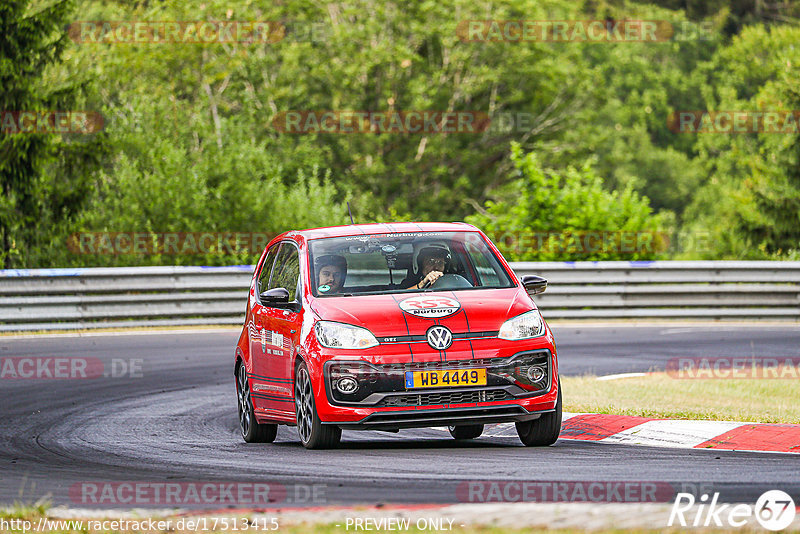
<point>432,261</point>
<point>331,272</point>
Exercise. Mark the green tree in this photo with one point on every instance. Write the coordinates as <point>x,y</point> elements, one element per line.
<point>750,205</point>
<point>365,56</point>
<point>163,180</point>
<point>191,125</point>
<point>635,85</point>
<point>44,178</point>
<point>545,215</point>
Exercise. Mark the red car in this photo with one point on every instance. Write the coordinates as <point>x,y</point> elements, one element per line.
<point>390,326</point>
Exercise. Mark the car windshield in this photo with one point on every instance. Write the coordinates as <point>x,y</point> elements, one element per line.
<point>398,262</point>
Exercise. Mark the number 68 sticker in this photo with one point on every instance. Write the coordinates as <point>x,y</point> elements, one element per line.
<point>775,510</point>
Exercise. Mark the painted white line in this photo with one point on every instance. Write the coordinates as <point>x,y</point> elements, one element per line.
<point>503,429</point>
<point>669,331</point>
<point>672,433</point>
<point>621,375</point>
<point>500,430</point>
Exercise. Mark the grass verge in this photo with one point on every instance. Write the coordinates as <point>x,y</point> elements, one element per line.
<point>660,395</point>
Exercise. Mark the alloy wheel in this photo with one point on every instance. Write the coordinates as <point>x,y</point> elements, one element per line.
<point>303,399</point>
<point>243,388</point>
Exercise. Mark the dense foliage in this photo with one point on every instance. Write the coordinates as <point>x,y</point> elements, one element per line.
<point>191,142</point>
<point>44,178</point>
<point>548,216</point>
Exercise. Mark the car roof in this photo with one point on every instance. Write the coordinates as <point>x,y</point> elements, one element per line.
<point>382,228</point>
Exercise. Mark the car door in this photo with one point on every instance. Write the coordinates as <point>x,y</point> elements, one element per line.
<point>283,328</point>
<point>258,333</point>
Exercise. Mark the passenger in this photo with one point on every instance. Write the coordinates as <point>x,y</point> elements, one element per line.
<point>331,272</point>
<point>432,262</point>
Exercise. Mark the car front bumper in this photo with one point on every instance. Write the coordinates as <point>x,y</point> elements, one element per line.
<point>387,404</point>
<point>396,419</point>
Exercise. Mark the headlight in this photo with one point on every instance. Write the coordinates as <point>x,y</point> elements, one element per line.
<point>344,336</point>
<point>526,325</point>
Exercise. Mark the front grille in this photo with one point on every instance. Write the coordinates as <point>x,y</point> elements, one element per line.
<point>455,397</point>
<point>450,364</point>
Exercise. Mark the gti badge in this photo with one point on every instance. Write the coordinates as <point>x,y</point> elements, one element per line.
<point>439,337</point>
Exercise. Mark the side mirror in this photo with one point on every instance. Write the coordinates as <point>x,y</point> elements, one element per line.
<point>276,297</point>
<point>534,284</point>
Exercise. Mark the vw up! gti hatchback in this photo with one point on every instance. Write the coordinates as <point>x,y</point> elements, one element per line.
<point>390,326</point>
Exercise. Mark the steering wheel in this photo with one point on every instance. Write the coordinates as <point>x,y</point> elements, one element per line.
<point>450,281</point>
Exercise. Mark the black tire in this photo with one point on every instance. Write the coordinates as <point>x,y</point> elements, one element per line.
<point>313,434</point>
<point>543,431</point>
<point>252,430</point>
<point>466,431</point>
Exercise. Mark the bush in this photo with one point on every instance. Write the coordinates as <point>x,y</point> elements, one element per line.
<point>544,215</point>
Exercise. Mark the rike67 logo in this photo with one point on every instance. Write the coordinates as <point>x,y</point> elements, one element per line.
<point>774,510</point>
<point>430,307</point>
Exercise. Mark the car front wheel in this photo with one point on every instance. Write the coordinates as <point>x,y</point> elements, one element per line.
<point>313,434</point>
<point>543,431</point>
<point>252,430</point>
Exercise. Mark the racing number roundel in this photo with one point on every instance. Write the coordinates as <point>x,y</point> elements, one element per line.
<point>430,307</point>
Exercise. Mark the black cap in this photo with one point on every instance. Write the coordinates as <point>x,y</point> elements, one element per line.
<point>434,249</point>
<point>331,259</point>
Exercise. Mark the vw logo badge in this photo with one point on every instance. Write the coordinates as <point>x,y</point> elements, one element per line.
<point>439,337</point>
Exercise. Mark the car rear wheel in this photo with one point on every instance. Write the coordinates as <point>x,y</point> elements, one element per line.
<point>543,431</point>
<point>465,431</point>
<point>252,430</point>
<point>313,434</point>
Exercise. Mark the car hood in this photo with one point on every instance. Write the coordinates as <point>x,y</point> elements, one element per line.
<point>413,313</point>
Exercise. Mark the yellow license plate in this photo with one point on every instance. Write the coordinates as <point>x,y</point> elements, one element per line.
<point>444,379</point>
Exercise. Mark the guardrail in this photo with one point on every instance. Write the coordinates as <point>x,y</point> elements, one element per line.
<point>669,289</point>
<point>46,299</point>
